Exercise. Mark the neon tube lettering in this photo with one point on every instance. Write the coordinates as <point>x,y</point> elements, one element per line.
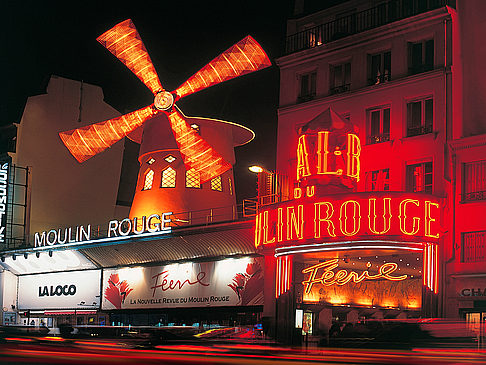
<point>302,158</point>
<point>318,219</point>
<point>258,230</point>
<point>386,215</point>
<point>322,155</point>
<point>295,222</point>
<point>354,150</point>
<point>428,219</point>
<point>403,216</point>
<point>265,227</point>
<point>280,224</point>
<point>356,218</point>
<point>342,277</point>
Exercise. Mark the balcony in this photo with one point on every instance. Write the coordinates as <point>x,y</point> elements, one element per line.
<point>382,14</point>
<point>417,131</point>
<point>473,196</point>
<point>339,89</point>
<point>378,138</point>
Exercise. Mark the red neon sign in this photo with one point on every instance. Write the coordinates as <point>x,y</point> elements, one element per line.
<point>316,157</point>
<point>328,277</point>
<point>342,217</point>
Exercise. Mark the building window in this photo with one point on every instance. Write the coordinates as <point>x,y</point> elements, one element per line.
<point>149,179</point>
<point>379,68</point>
<point>420,116</point>
<point>419,178</point>
<point>193,180</point>
<point>379,125</point>
<point>474,181</point>
<point>170,158</point>
<point>378,180</point>
<point>420,56</point>
<point>473,246</point>
<point>340,78</point>
<point>307,87</point>
<point>217,184</point>
<point>168,178</point>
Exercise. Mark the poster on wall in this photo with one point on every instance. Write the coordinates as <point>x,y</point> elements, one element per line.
<point>229,282</point>
<point>62,290</point>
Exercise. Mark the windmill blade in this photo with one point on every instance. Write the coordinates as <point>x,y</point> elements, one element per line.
<point>196,152</point>
<point>85,142</point>
<point>125,43</point>
<point>244,57</point>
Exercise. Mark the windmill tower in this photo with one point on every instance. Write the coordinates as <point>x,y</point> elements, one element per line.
<point>178,154</point>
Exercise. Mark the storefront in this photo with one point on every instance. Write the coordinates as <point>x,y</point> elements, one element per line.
<point>342,256</point>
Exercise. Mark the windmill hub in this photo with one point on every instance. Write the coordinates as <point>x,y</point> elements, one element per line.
<point>163,100</point>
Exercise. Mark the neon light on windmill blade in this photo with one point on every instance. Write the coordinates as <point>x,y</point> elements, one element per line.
<point>125,43</point>
<point>196,152</point>
<point>85,142</point>
<point>244,57</point>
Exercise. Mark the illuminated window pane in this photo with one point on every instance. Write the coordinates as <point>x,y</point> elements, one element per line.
<point>150,161</point>
<point>193,179</point>
<point>149,179</point>
<point>217,184</point>
<point>168,178</point>
<point>170,159</point>
<point>419,178</point>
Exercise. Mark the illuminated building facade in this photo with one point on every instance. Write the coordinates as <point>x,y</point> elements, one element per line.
<point>379,128</point>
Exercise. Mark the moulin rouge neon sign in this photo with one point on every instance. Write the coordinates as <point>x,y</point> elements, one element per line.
<point>341,217</point>
<point>328,277</point>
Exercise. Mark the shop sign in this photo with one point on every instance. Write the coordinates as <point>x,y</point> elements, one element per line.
<point>4,172</point>
<point>230,282</point>
<point>470,292</point>
<point>380,286</point>
<point>153,224</point>
<point>325,273</point>
<point>410,217</point>
<point>64,290</point>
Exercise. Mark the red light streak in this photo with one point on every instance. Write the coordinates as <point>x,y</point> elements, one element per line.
<point>85,142</point>
<point>244,57</point>
<point>196,152</point>
<point>125,43</point>
<point>283,275</point>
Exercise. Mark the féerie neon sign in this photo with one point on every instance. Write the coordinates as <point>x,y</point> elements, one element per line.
<point>328,277</point>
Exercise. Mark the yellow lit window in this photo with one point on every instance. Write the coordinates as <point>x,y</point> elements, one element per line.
<point>149,179</point>
<point>217,184</point>
<point>168,178</point>
<point>193,179</point>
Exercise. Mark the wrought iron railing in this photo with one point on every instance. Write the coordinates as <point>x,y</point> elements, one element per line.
<point>474,196</point>
<point>378,138</point>
<point>340,89</point>
<point>382,14</point>
<point>417,131</point>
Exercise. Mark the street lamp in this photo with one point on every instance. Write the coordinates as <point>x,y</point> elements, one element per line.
<point>266,184</point>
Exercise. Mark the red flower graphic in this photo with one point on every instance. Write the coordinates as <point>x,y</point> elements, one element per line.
<point>116,291</point>
<point>248,285</point>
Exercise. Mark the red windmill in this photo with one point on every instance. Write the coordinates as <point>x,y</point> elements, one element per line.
<point>197,154</point>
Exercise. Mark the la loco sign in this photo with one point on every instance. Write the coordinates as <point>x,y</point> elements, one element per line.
<point>409,217</point>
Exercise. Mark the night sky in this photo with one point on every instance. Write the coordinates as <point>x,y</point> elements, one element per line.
<point>181,37</point>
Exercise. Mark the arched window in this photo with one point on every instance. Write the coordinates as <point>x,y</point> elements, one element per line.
<point>193,180</point>
<point>168,178</point>
<point>149,179</point>
<point>217,184</point>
